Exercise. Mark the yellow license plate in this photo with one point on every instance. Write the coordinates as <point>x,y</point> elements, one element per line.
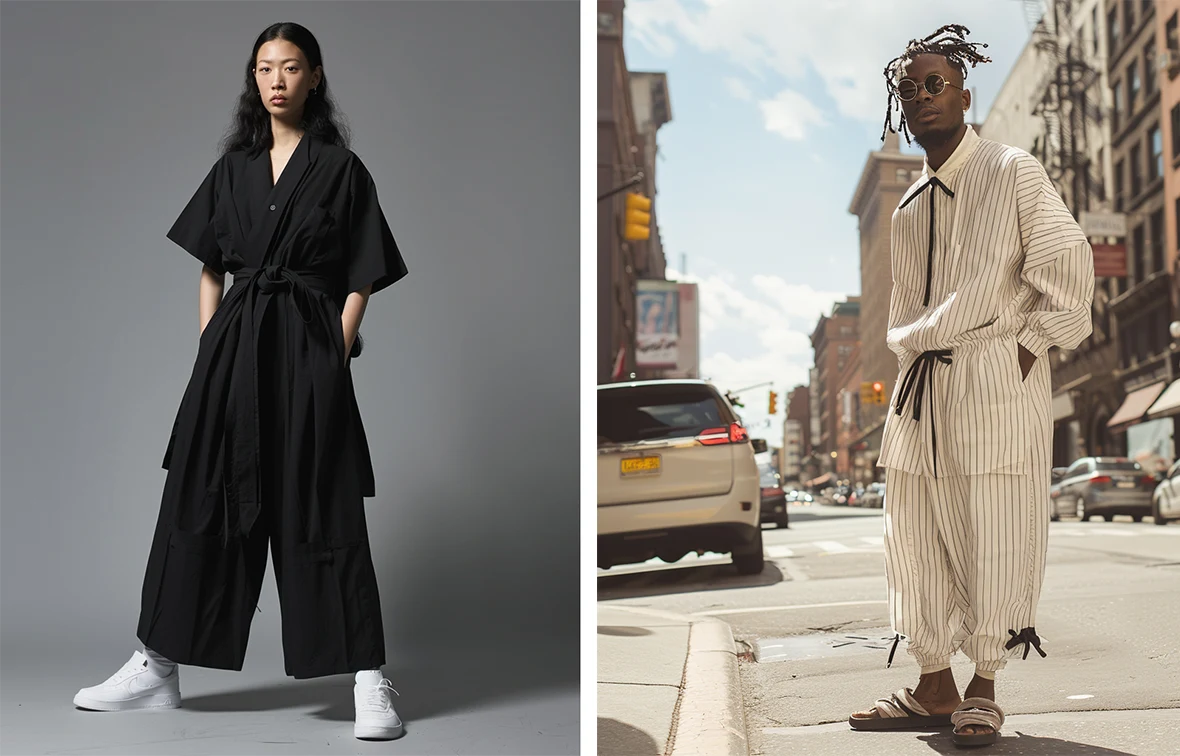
<point>640,466</point>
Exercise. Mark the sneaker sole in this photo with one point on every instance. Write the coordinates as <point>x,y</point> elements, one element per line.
<point>156,701</point>
<point>373,732</point>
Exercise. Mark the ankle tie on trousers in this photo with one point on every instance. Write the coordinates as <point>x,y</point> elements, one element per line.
<point>896,640</point>
<point>1027,636</point>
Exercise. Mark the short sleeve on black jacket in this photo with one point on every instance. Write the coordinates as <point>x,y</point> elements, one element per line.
<point>193,230</point>
<point>373,255</point>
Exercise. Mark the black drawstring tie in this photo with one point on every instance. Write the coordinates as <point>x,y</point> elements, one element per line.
<point>920,373</point>
<point>1027,636</point>
<point>930,246</point>
<point>896,640</point>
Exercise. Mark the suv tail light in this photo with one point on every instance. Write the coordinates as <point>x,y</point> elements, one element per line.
<point>1147,480</point>
<point>734,434</point>
<point>1100,479</point>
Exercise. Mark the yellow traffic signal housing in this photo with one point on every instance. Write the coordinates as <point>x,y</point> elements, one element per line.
<point>866,393</point>
<point>637,221</point>
<point>773,403</point>
<point>879,393</point>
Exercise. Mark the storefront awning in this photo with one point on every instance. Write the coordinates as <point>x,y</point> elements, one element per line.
<point>1135,406</point>
<point>1168,404</point>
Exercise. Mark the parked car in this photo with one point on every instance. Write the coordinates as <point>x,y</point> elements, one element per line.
<point>873,496</point>
<point>676,474</point>
<point>1103,486</point>
<point>774,499</point>
<point>1165,500</point>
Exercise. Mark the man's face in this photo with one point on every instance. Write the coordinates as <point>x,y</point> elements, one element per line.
<point>934,117</point>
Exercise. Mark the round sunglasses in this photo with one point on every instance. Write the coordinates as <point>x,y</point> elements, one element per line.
<point>907,89</point>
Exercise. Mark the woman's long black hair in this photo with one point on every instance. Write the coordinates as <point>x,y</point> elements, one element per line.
<point>250,129</point>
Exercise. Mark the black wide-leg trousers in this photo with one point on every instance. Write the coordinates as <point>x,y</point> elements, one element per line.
<point>200,595</point>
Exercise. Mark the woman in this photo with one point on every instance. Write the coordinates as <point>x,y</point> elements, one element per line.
<point>268,441</point>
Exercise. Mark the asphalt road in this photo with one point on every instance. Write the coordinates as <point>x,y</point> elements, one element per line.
<point>813,627</point>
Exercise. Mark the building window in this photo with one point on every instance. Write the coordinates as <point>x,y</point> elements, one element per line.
<point>1149,69</point>
<point>1155,163</point>
<point>1099,174</point>
<point>1132,87</point>
<point>902,175</point>
<point>1118,186</point>
<point>1129,16</point>
<point>1175,132</point>
<point>1094,29</point>
<point>1178,223</point>
<point>1112,31</point>
<point>1117,114</point>
<point>1146,8</point>
<point>1170,37</point>
<point>1137,255</point>
<point>1136,170</point>
<point>1157,240</point>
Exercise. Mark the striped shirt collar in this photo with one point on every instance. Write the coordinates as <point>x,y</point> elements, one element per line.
<point>951,167</point>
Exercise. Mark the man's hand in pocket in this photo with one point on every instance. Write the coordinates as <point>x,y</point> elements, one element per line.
<point>1026,358</point>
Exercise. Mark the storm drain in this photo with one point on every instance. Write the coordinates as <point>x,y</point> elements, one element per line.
<point>823,645</point>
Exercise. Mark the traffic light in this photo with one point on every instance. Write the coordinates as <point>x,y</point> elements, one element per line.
<point>637,221</point>
<point>866,393</point>
<point>773,403</point>
<point>879,392</point>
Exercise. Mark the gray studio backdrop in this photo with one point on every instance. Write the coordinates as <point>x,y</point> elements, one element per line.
<point>467,116</point>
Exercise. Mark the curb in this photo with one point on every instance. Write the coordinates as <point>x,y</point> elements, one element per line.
<point>709,719</point>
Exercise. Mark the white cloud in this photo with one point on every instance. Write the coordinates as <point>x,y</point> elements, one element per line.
<point>739,89</point>
<point>846,43</point>
<point>790,115</point>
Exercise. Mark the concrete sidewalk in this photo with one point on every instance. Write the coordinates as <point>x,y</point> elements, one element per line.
<point>668,685</point>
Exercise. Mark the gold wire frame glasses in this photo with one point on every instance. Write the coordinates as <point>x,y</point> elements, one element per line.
<point>907,89</point>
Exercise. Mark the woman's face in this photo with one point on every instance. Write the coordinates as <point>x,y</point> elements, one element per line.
<point>284,80</point>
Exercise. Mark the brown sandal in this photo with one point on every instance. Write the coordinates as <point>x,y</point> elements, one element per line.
<point>982,712</point>
<point>899,712</point>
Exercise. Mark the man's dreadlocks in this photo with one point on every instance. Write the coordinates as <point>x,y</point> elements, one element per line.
<point>950,42</point>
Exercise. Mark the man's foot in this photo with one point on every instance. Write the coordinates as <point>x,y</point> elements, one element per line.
<point>936,692</point>
<point>979,687</point>
<point>375,717</point>
<point>134,686</point>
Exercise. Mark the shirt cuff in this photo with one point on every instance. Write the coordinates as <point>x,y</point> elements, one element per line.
<point>1033,341</point>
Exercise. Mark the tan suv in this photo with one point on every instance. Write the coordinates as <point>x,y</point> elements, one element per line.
<point>676,474</point>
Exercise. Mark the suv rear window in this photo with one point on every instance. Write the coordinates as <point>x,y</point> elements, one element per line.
<point>642,413</point>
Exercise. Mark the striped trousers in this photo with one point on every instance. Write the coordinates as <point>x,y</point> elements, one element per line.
<point>965,559</point>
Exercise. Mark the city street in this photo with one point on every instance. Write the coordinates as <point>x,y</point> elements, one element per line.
<point>812,638</point>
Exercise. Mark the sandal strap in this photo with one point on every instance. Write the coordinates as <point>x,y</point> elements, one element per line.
<point>978,711</point>
<point>900,704</point>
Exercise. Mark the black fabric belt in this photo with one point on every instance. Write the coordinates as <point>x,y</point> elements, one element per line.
<point>930,246</point>
<point>914,382</point>
<point>243,484</point>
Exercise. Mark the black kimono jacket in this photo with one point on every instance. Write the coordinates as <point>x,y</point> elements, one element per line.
<point>296,249</point>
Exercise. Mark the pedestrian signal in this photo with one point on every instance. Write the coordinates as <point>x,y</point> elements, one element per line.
<point>773,403</point>
<point>637,221</point>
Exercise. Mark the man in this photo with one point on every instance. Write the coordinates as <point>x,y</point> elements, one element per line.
<point>989,271</point>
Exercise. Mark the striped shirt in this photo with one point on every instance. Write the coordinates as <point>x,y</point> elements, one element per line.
<point>985,256</point>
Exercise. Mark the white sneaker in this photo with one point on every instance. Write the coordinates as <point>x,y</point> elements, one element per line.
<point>134,686</point>
<point>375,717</point>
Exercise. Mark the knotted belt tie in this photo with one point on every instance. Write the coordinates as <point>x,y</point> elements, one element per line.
<point>1027,636</point>
<point>921,372</point>
<point>930,246</point>
<point>244,489</point>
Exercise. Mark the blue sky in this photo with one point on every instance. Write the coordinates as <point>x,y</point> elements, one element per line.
<point>776,105</point>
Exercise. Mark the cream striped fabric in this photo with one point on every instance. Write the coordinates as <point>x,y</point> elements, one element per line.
<point>1010,265</point>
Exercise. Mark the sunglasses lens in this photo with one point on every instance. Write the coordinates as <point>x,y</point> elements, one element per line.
<point>907,89</point>
<point>935,84</point>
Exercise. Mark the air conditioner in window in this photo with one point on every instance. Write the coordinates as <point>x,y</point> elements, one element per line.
<point>1169,61</point>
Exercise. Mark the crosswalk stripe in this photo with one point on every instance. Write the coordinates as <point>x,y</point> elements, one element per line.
<point>874,540</point>
<point>833,547</point>
<point>779,552</point>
